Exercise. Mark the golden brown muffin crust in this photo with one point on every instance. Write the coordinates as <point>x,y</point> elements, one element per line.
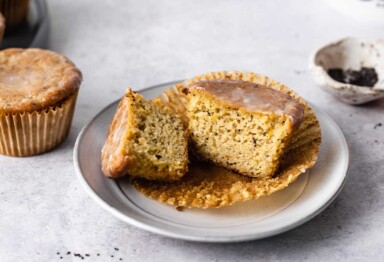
<point>34,79</point>
<point>114,159</point>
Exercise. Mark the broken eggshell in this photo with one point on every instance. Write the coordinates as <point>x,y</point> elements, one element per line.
<point>349,53</point>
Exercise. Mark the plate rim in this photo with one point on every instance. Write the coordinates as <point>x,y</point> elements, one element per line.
<point>212,239</point>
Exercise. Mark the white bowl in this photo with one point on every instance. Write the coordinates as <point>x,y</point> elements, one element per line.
<point>349,53</point>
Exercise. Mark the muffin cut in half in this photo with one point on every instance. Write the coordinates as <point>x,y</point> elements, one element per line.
<point>207,185</point>
<point>242,126</point>
<point>145,139</point>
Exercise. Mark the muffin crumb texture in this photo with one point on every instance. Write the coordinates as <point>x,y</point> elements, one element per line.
<point>250,143</point>
<point>151,141</point>
<point>244,127</point>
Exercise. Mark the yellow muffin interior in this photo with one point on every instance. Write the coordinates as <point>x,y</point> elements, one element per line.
<point>250,143</point>
<point>157,147</point>
<point>145,139</point>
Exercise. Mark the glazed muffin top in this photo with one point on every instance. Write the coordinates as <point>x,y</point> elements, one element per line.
<point>34,79</point>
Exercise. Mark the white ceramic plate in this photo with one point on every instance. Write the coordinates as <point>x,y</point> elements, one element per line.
<point>254,219</point>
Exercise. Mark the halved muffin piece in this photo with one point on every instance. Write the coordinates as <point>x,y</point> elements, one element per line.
<point>241,126</point>
<point>145,140</point>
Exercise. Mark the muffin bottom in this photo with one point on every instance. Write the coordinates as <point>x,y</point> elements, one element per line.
<point>33,133</point>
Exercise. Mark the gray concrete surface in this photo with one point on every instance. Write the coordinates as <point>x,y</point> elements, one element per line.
<point>44,212</point>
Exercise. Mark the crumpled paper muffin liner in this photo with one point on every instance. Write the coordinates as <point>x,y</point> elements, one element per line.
<point>32,133</point>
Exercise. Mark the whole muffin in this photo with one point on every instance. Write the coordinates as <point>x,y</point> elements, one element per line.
<point>15,12</point>
<point>38,91</point>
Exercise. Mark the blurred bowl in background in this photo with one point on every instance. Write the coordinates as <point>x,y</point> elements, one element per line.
<point>349,53</point>
<point>34,32</point>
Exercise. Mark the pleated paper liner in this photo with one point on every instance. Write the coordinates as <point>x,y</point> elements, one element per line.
<point>207,185</point>
<point>27,134</point>
<point>15,12</point>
